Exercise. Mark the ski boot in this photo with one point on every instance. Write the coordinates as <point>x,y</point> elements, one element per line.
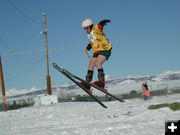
<point>86,86</point>
<point>99,84</point>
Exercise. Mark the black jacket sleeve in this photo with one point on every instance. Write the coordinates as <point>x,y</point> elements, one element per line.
<point>103,22</point>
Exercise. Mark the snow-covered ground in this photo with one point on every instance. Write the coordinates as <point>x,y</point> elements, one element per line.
<point>89,118</point>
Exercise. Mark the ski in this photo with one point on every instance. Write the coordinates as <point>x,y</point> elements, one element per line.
<point>93,85</point>
<point>77,83</point>
<point>106,92</point>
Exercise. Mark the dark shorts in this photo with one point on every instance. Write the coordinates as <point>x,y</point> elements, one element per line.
<point>105,53</point>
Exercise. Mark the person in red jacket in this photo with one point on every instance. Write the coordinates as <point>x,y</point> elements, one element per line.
<point>101,47</point>
<point>145,91</point>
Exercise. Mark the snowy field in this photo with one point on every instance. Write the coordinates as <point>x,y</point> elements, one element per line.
<point>89,118</point>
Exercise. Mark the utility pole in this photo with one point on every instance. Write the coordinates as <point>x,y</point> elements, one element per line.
<point>48,78</point>
<point>2,87</point>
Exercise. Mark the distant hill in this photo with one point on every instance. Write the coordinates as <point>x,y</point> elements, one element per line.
<point>110,82</point>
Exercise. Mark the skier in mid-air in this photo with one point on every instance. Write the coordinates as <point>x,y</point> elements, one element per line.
<point>101,47</point>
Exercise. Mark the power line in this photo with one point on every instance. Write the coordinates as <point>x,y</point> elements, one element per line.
<point>17,53</point>
<point>21,13</point>
<point>27,41</point>
<point>32,51</point>
<point>27,69</point>
<point>12,52</point>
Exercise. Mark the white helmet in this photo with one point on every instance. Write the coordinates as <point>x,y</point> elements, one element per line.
<point>87,22</point>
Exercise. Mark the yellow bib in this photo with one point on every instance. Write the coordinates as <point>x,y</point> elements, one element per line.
<point>98,40</point>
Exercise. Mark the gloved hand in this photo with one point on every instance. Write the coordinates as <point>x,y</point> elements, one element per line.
<point>88,47</point>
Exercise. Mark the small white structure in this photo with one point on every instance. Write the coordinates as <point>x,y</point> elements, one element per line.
<point>44,100</point>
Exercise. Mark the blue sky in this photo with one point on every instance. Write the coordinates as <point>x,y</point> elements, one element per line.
<point>145,35</point>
